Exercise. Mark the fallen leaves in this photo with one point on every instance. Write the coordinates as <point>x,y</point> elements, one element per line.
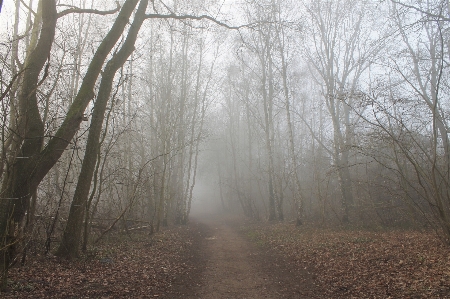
<point>331,263</point>
<point>141,267</point>
<point>363,264</point>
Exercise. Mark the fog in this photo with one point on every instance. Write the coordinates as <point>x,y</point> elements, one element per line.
<point>206,200</point>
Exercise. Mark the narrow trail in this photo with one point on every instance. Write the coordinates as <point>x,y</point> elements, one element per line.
<point>230,266</point>
<point>214,257</point>
<point>229,272</point>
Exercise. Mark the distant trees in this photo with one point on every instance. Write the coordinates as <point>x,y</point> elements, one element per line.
<point>258,89</point>
<point>341,50</point>
<point>412,111</point>
<point>351,159</point>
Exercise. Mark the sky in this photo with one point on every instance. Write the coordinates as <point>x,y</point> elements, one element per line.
<point>7,17</point>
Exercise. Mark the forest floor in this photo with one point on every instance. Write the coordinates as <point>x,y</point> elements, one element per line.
<point>220,257</point>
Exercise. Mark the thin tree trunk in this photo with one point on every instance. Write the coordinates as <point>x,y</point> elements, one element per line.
<point>298,196</point>
<point>268,125</point>
<point>69,247</point>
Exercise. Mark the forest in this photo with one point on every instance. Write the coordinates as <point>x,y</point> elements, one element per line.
<point>284,124</point>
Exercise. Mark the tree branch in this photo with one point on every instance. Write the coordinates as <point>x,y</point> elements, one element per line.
<point>10,85</point>
<point>94,11</point>
<point>26,6</point>
<point>202,17</point>
<point>428,14</point>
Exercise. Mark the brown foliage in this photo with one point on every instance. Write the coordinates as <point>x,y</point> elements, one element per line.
<point>364,264</point>
<point>142,266</point>
<point>324,263</point>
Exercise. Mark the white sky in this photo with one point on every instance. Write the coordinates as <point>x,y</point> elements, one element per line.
<point>6,17</point>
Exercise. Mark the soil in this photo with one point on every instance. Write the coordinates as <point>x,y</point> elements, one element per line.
<point>226,264</point>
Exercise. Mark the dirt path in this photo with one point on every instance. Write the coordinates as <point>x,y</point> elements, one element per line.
<point>209,258</point>
<point>230,273</point>
<point>230,266</point>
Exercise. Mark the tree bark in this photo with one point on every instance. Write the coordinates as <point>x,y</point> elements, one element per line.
<point>69,247</point>
<point>30,165</point>
<point>17,185</point>
<point>268,121</point>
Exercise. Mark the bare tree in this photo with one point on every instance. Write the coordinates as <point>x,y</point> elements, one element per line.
<point>341,50</point>
<point>421,149</point>
<point>70,244</point>
<point>30,164</point>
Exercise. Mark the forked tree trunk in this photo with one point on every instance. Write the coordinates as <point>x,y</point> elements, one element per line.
<point>30,165</point>
<point>17,186</point>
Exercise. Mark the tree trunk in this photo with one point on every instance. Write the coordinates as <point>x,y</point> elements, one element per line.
<point>69,247</point>
<point>298,195</point>
<point>341,152</point>
<point>17,186</point>
<point>30,165</point>
<point>268,124</point>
